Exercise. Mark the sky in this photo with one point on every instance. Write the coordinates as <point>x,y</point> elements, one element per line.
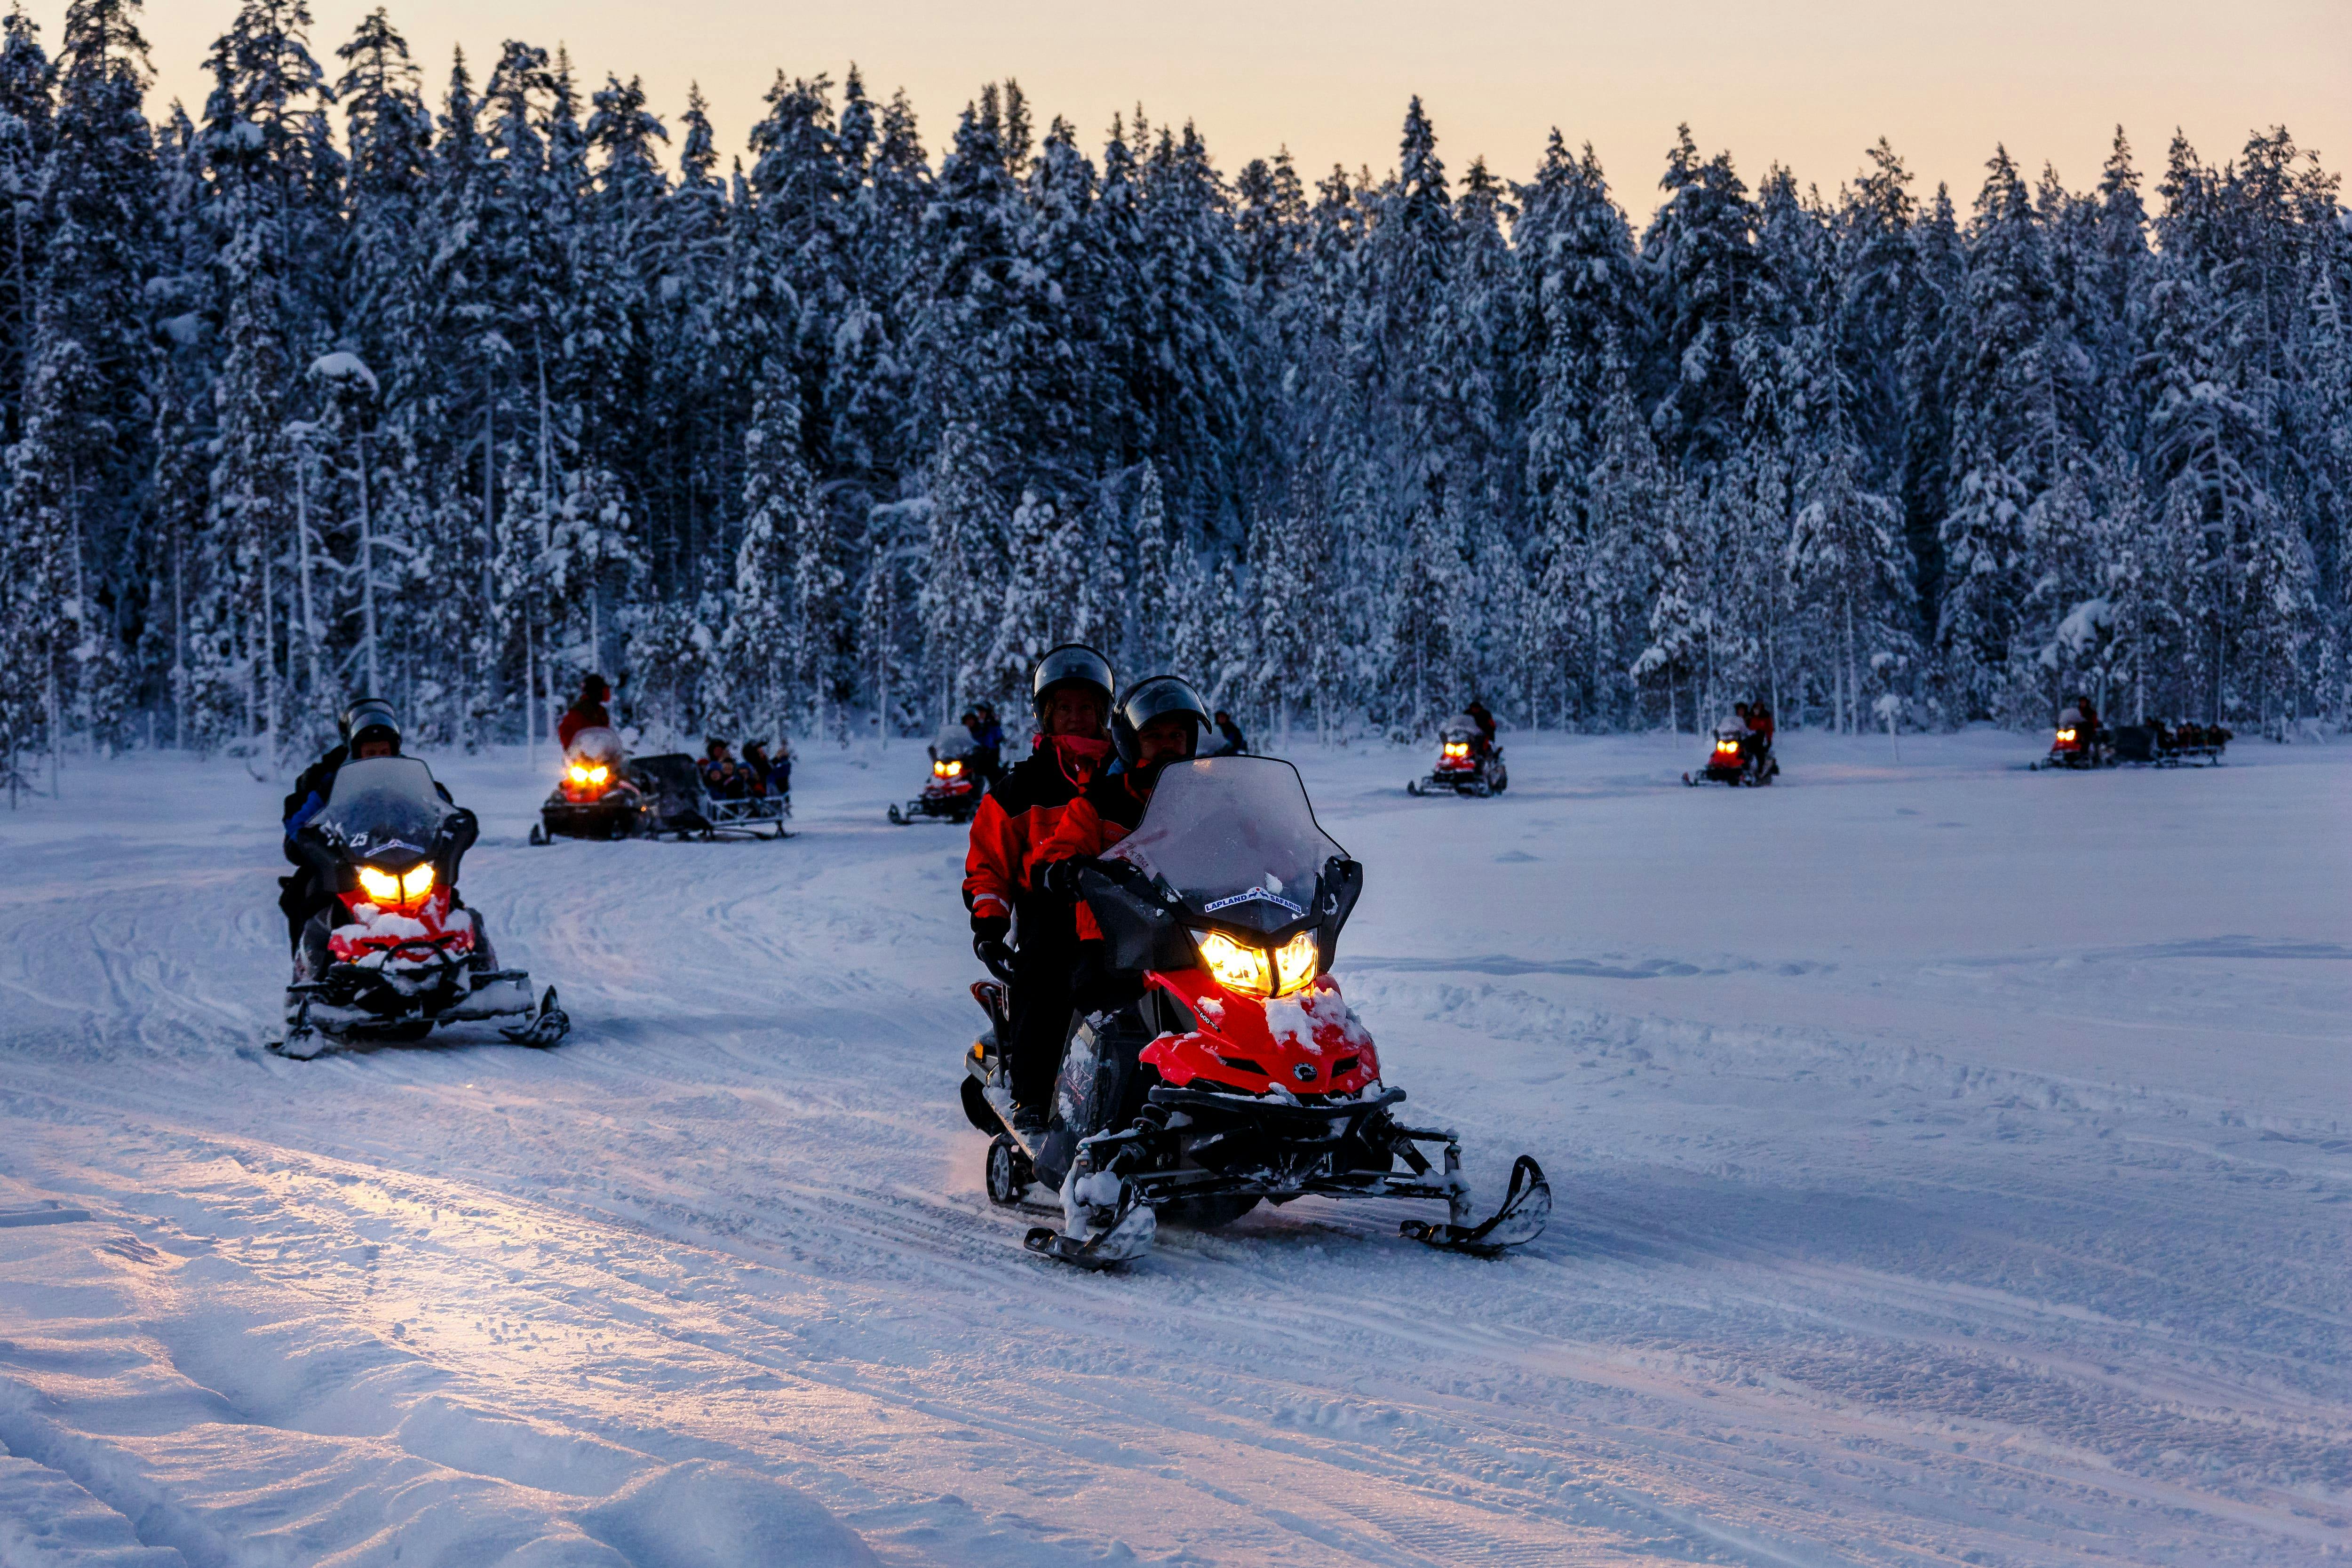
<point>1807,83</point>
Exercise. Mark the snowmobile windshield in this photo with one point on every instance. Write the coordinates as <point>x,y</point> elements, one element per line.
<point>1235,839</point>
<point>598,746</point>
<point>383,806</point>
<point>953,740</point>
<point>1461,727</point>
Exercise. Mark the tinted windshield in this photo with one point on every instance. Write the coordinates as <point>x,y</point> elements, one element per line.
<point>384,803</point>
<point>953,740</point>
<point>593,744</point>
<point>1228,827</point>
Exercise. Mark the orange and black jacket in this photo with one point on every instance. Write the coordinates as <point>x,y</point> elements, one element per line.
<point>1106,813</point>
<point>1014,822</point>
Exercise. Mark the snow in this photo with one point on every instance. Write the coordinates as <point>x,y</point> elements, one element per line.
<point>1952,1164</point>
<point>342,366</point>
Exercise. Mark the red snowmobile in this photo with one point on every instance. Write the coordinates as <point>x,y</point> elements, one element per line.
<point>597,798</point>
<point>954,790</point>
<point>1240,1075</point>
<point>1739,757</point>
<point>1468,763</point>
<point>397,954</point>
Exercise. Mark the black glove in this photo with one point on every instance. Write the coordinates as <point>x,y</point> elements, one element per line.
<point>1060,877</point>
<point>990,928</point>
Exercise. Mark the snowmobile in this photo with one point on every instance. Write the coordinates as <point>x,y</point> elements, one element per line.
<point>954,791</point>
<point>597,798</point>
<point>668,798</point>
<point>1238,1075</point>
<point>1739,757</point>
<point>1468,763</point>
<point>396,955</point>
<point>2076,744</point>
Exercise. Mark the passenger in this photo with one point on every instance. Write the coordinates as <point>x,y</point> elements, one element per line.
<point>1486,721</point>
<point>587,712</point>
<point>759,771</point>
<point>1759,725</point>
<point>722,777</point>
<point>1234,743</point>
<point>1070,697</point>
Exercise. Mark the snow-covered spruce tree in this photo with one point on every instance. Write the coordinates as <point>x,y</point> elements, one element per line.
<point>757,651</point>
<point>76,473</point>
<point>27,136</point>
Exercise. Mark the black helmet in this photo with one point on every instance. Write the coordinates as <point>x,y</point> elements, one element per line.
<point>369,715</point>
<point>1155,699</point>
<point>1072,664</point>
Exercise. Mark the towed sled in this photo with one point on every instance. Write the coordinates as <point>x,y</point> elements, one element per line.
<point>395,955</point>
<point>1468,763</point>
<point>600,795</point>
<point>2186,746</point>
<point>953,795</point>
<point>1237,1076</point>
<point>1738,758</point>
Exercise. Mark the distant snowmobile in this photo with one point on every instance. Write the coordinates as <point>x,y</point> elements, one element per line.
<point>596,797</point>
<point>2153,744</point>
<point>2077,744</point>
<point>1468,763</point>
<point>605,794</point>
<point>1240,1076</point>
<point>954,790</point>
<point>396,955</point>
<point>1739,757</point>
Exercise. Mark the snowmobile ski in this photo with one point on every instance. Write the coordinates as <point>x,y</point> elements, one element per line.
<point>547,1026</point>
<point>1519,1220</point>
<point>1129,1234</point>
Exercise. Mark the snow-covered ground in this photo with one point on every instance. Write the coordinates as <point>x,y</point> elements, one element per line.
<point>1952,1164</point>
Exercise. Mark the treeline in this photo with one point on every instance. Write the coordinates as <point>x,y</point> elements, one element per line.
<point>330,389</point>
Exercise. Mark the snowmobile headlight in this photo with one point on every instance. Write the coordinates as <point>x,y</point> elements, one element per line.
<point>394,889</point>
<point>947,770</point>
<point>590,773</point>
<point>1458,748</point>
<point>1294,963</point>
<point>2065,735</point>
<point>1237,966</point>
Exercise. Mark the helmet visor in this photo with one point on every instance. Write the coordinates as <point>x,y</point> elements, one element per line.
<point>1072,662</point>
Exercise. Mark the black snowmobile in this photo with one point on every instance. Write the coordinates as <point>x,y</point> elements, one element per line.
<point>660,796</point>
<point>396,955</point>
<point>597,798</point>
<point>2077,744</point>
<point>1238,1076</point>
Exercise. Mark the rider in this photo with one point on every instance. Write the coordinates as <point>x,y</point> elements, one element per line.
<point>1158,723</point>
<point>1483,718</point>
<point>1070,695</point>
<point>369,729</point>
<point>1759,725</point>
<point>587,712</point>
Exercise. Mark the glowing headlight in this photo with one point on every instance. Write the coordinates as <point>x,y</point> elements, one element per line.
<point>584,774</point>
<point>2064,735</point>
<point>1236,966</point>
<point>1458,748</point>
<point>1241,966</point>
<point>1294,963</point>
<point>947,770</point>
<point>1726,746</point>
<point>388,887</point>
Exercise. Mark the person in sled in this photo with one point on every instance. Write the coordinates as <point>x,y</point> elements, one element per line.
<point>1070,696</point>
<point>369,729</point>
<point>587,712</point>
<point>1158,723</point>
<point>768,775</point>
<point>722,776</point>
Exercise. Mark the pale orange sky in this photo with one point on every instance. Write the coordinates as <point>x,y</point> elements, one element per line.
<point>1807,82</point>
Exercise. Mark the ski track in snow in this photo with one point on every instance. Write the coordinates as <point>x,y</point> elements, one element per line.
<point>1951,1165</point>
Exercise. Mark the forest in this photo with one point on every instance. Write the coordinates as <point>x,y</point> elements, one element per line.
<point>450,389</point>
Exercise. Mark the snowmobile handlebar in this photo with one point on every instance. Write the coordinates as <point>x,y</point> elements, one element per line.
<point>995,957</point>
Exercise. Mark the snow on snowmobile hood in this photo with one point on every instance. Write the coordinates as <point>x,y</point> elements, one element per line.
<point>1234,838</point>
<point>597,745</point>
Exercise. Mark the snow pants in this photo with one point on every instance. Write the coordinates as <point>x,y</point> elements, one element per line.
<point>1042,967</point>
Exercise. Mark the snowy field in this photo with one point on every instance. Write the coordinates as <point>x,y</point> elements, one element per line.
<point>1953,1165</point>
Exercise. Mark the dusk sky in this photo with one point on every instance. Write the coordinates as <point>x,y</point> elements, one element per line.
<point>1809,83</point>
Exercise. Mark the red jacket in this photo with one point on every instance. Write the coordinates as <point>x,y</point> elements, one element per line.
<point>1759,722</point>
<point>1106,813</point>
<point>577,718</point>
<point>1016,818</point>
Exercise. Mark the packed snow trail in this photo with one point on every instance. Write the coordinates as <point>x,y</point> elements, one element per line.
<point>1951,1163</point>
